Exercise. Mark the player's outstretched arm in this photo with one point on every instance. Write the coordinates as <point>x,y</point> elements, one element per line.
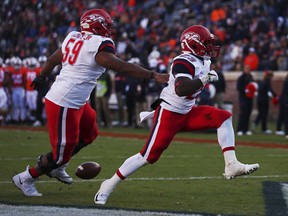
<point>52,61</point>
<point>112,62</point>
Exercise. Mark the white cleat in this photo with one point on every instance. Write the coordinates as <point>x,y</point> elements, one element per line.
<point>26,183</point>
<point>101,199</point>
<point>280,133</point>
<point>267,132</point>
<point>249,133</point>
<point>104,192</point>
<point>61,174</point>
<point>239,133</point>
<point>235,168</point>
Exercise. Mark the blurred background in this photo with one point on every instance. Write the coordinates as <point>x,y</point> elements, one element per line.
<point>249,32</point>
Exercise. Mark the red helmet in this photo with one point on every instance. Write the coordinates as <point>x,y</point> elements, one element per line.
<point>199,41</point>
<point>251,89</point>
<point>97,21</point>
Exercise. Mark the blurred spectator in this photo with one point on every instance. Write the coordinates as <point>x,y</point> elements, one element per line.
<point>119,87</point>
<point>218,13</point>
<point>133,92</point>
<point>103,93</point>
<point>252,59</point>
<point>220,86</point>
<point>153,88</point>
<point>265,93</point>
<point>283,110</point>
<point>34,28</point>
<point>141,104</point>
<point>206,96</point>
<point>245,101</point>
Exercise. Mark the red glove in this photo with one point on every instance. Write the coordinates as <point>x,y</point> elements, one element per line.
<point>275,100</point>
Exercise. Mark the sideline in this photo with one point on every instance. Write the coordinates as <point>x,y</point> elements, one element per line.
<point>178,139</point>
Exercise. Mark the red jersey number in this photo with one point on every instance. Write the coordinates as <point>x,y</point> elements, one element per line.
<point>72,50</point>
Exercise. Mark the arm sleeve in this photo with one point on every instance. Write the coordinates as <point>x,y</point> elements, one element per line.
<point>183,68</point>
<point>107,46</point>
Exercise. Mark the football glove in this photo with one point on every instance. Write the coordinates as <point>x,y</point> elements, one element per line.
<point>209,77</point>
<point>38,83</point>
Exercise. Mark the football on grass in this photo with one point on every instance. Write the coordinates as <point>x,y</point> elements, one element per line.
<point>88,170</point>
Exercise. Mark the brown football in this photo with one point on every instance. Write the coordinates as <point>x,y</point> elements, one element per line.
<point>88,170</point>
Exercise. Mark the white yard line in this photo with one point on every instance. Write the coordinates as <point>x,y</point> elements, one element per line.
<point>162,179</point>
<point>22,210</point>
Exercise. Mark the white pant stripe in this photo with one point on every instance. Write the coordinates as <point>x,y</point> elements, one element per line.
<point>155,132</point>
<point>63,138</point>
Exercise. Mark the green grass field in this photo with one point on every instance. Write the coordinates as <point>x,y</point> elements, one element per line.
<point>187,178</point>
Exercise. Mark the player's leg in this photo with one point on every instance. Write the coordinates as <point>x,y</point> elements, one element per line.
<point>22,106</point>
<point>165,125</point>
<point>88,132</point>
<point>63,125</point>
<point>15,105</point>
<point>88,128</point>
<point>211,117</point>
<point>64,139</point>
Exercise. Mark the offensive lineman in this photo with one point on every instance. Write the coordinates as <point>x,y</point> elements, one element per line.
<point>175,111</point>
<point>71,121</point>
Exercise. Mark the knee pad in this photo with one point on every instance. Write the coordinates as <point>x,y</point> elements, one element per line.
<point>46,163</point>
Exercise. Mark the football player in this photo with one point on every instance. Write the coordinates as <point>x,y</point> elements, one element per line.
<point>175,111</point>
<point>32,71</point>
<point>3,94</point>
<point>18,90</point>
<point>84,56</point>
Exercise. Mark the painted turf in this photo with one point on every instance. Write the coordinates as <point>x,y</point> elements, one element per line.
<point>12,210</point>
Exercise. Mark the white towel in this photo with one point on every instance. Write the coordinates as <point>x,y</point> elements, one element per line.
<point>145,115</point>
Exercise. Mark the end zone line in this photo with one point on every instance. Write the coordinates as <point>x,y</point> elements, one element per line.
<point>163,179</point>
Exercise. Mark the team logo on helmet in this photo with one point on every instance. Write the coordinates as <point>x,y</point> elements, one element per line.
<point>192,36</point>
<point>92,18</point>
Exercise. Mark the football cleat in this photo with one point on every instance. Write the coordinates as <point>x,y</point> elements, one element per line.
<point>61,174</point>
<point>101,199</point>
<point>235,168</point>
<point>239,133</point>
<point>280,132</point>
<point>249,133</point>
<point>37,123</point>
<point>267,132</point>
<point>104,192</point>
<point>26,183</point>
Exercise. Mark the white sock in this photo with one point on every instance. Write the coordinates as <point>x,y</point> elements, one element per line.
<point>115,179</point>
<point>226,140</point>
<point>127,168</point>
<point>132,164</point>
<point>108,185</point>
<point>229,156</point>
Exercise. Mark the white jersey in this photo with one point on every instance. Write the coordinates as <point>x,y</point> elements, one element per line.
<point>80,71</point>
<point>183,104</point>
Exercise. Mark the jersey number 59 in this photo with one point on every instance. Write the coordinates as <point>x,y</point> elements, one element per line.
<point>72,50</point>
